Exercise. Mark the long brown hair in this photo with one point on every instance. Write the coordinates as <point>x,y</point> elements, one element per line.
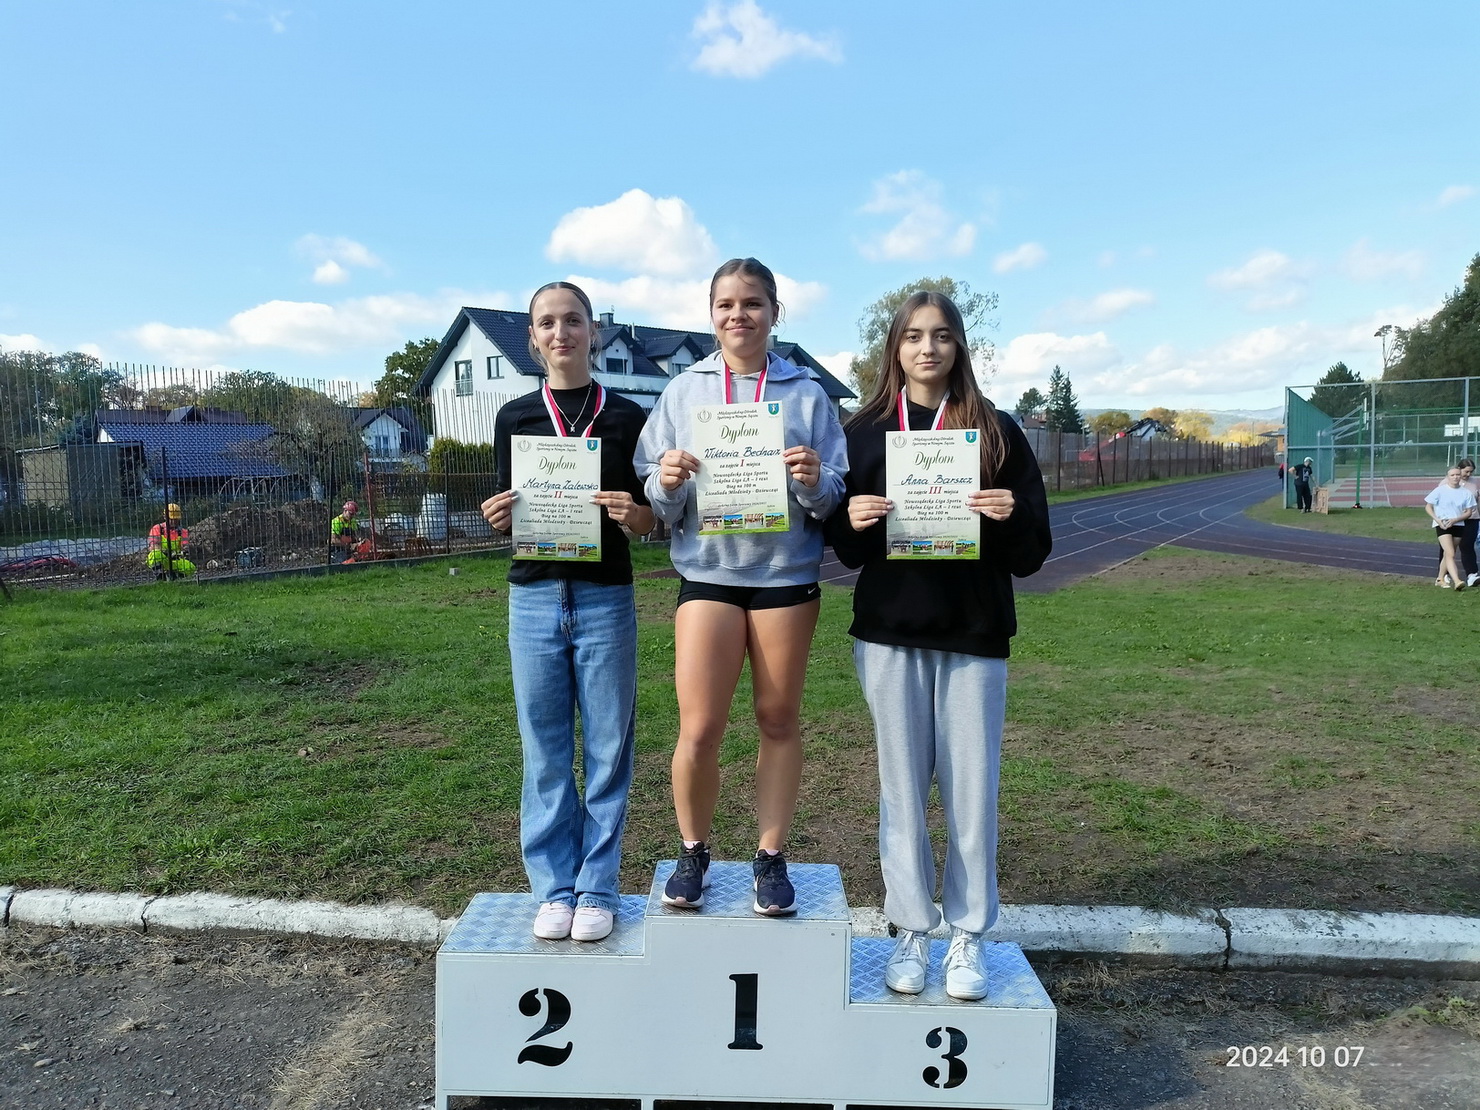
<point>967,407</point>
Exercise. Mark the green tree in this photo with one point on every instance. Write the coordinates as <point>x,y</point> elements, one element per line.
<point>1030,403</point>
<point>1335,394</point>
<point>873,327</point>
<point>1110,423</point>
<point>403,369</point>
<point>1167,418</point>
<point>1446,345</point>
<point>1062,413</point>
<point>263,397</point>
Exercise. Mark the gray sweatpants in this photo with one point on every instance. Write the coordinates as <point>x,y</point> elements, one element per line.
<point>937,714</point>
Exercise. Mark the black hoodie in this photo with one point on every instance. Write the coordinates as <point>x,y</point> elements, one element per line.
<point>947,605</point>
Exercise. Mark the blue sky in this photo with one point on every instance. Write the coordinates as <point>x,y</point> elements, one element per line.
<point>1181,205</point>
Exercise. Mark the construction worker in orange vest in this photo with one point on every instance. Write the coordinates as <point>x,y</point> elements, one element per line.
<point>167,541</point>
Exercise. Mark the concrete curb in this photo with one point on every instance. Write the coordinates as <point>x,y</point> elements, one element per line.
<point>1429,945</point>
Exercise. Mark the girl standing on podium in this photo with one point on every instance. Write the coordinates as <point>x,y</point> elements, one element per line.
<point>931,641</point>
<point>742,595</point>
<point>573,634</point>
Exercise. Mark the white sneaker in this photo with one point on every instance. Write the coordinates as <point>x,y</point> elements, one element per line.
<point>1473,580</point>
<point>905,971</point>
<point>965,976</point>
<point>553,921</point>
<point>592,923</point>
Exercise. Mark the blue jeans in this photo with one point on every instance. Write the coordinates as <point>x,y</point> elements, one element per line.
<point>573,645</point>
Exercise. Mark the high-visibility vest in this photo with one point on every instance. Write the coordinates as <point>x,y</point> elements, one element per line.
<point>173,541</point>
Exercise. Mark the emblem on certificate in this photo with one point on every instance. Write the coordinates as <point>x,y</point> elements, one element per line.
<point>553,517</point>
<point>742,481</point>
<point>927,476</point>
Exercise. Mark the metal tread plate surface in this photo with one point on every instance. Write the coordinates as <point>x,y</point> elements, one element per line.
<point>500,924</point>
<point>1011,981</point>
<point>731,893</point>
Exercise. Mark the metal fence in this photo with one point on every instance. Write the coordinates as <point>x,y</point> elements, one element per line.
<point>92,457</point>
<point>1078,462</point>
<point>1381,442</point>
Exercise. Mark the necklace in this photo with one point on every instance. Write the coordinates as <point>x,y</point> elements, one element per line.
<point>572,421</point>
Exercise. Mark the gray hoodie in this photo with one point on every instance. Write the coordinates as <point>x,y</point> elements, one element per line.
<point>767,559</point>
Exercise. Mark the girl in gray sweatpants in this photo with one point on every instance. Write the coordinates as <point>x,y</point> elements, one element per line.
<point>932,639</point>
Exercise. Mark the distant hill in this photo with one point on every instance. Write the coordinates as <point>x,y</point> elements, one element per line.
<point>1223,419</point>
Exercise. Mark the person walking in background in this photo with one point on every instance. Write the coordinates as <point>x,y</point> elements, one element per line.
<point>1449,505</point>
<point>931,641</point>
<point>344,533</point>
<point>167,542</point>
<point>573,634</point>
<point>742,595</point>
<point>1304,474</point>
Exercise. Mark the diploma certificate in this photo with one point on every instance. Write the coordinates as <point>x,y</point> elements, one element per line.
<point>742,481</point>
<point>553,516</point>
<point>927,476</point>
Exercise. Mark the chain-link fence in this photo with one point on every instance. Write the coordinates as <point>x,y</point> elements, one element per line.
<point>127,473</point>
<point>1383,442</point>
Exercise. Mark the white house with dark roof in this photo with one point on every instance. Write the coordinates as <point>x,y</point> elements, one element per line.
<point>484,362</point>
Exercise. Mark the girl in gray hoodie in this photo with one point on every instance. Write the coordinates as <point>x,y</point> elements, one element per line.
<point>740,595</point>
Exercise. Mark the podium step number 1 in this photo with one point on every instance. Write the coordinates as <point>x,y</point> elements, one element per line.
<point>679,1007</point>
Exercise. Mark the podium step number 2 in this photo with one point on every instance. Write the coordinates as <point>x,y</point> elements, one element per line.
<point>681,1007</point>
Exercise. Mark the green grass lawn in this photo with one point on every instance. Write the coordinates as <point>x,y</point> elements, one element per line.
<point>1190,729</point>
<point>1381,523</point>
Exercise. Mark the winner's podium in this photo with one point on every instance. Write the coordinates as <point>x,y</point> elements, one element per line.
<point>722,1005</point>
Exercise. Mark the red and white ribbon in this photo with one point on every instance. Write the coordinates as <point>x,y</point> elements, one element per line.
<point>940,414</point>
<point>760,386</point>
<point>559,421</point>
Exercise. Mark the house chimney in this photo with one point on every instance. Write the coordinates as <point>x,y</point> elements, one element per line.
<point>606,320</point>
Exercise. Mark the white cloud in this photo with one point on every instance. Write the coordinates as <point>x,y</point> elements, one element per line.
<point>635,232</point>
<point>684,303</point>
<point>1272,280</point>
<point>1365,264</point>
<point>1262,360</point>
<point>1106,306</point>
<point>1454,194</point>
<point>334,255</point>
<point>743,41</point>
<point>1028,359</point>
<point>925,228</point>
<point>1263,268</point>
<point>23,342</point>
<point>1029,256</point>
<point>330,273</point>
<point>310,327</point>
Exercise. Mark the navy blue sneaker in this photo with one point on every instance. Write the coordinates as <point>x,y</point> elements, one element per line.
<point>774,894</point>
<point>685,887</point>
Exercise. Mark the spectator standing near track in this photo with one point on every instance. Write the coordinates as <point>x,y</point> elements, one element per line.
<point>1449,506</point>
<point>1471,526</point>
<point>1304,474</point>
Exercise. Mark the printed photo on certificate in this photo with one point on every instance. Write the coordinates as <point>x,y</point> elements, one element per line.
<point>553,517</point>
<point>927,476</point>
<point>742,481</point>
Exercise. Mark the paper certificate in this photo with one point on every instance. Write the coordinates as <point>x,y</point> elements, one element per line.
<point>741,485</point>
<point>927,476</point>
<point>553,516</point>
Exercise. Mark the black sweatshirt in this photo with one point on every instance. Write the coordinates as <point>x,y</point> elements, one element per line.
<point>618,426</point>
<point>956,605</point>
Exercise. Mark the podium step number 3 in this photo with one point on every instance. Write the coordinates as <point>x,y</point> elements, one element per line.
<point>679,1007</point>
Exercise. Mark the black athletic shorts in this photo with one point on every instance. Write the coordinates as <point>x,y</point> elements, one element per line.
<point>748,597</point>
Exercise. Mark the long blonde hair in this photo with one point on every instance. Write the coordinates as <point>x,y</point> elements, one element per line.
<point>967,407</point>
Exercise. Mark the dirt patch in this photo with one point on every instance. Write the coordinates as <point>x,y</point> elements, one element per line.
<point>1177,567</point>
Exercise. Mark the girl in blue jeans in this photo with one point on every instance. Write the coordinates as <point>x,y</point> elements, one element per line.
<point>573,634</point>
